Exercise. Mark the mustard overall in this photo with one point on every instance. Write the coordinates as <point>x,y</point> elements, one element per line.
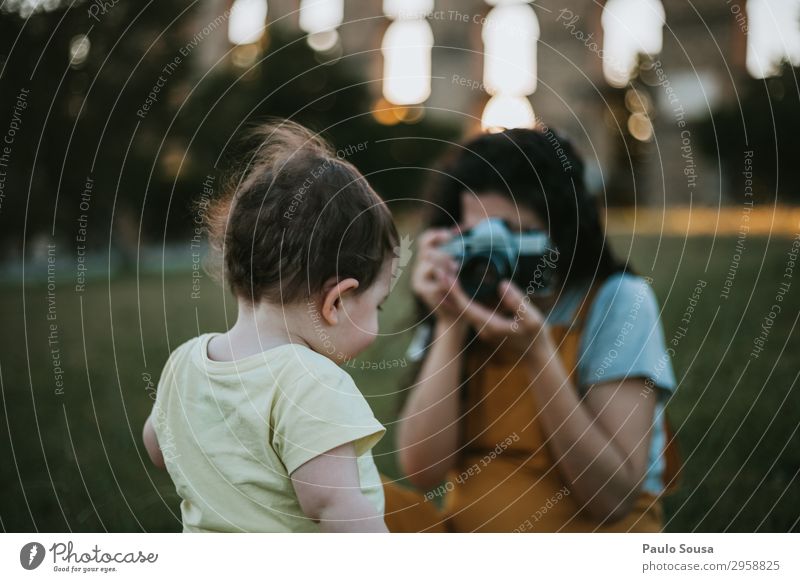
<point>506,478</point>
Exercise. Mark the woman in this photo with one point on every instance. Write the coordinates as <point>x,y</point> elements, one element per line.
<point>544,413</point>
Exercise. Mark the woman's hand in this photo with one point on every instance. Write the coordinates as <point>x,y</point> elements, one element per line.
<point>434,273</point>
<point>515,321</point>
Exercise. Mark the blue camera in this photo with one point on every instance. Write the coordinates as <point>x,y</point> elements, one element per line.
<point>490,253</point>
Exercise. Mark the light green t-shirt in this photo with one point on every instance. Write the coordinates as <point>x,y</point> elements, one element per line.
<point>231,433</point>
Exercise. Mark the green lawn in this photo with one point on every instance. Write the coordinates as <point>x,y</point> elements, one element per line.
<point>74,461</point>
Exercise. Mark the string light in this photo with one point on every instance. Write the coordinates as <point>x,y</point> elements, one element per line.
<point>630,28</point>
<point>510,36</point>
<point>320,19</point>
<point>246,21</point>
<point>773,34</point>
<point>406,49</point>
<point>506,112</point>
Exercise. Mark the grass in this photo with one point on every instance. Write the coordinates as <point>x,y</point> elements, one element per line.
<point>75,462</point>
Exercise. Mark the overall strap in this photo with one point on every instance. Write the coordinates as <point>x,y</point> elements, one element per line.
<point>567,336</point>
<point>585,306</point>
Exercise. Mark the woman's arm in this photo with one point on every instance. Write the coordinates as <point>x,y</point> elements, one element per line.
<point>600,443</point>
<point>428,429</point>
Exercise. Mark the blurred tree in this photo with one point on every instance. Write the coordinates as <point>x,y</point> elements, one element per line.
<point>291,81</point>
<point>766,121</point>
<point>87,82</point>
<point>630,154</point>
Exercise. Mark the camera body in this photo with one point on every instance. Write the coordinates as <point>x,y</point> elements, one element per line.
<point>490,253</point>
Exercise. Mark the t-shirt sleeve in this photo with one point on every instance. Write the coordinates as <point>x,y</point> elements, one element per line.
<point>624,337</point>
<point>320,411</point>
<point>166,383</point>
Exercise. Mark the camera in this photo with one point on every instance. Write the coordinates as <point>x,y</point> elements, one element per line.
<point>490,253</point>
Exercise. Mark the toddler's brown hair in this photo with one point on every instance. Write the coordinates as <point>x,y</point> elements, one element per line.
<point>299,215</point>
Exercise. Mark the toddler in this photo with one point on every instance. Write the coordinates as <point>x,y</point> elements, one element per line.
<point>259,428</point>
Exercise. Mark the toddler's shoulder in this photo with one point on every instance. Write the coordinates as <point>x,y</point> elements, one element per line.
<point>304,366</point>
<point>182,353</point>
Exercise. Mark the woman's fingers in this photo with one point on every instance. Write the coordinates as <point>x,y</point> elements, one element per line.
<point>442,260</point>
<point>525,313</point>
<point>513,299</point>
<point>511,295</point>
<point>431,275</point>
<point>485,321</point>
<point>429,251</point>
<point>430,281</point>
<point>432,238</point>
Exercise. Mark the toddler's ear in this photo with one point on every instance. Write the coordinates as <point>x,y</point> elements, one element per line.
<point>332,299</point>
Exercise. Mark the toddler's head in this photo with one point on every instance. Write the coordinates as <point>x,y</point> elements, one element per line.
<point>303,230</point>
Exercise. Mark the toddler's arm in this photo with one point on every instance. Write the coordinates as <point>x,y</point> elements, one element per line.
<point>329,491</point>
<point>151,444</point>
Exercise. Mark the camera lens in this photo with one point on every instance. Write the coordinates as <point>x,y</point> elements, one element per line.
<point>534,274</point>
<point>481,274</point>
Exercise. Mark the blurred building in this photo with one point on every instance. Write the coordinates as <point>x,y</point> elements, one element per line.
<point>635,133</point>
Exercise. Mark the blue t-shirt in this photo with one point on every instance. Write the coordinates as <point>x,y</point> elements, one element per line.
<point>622,338</point>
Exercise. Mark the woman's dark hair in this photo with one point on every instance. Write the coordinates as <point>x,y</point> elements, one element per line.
<point>537,169</point>
<point>298,216</point>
